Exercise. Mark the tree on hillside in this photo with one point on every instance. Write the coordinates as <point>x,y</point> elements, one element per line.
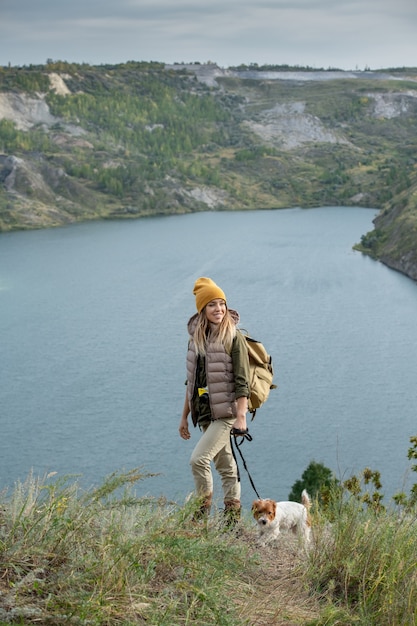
<point>316,478</point>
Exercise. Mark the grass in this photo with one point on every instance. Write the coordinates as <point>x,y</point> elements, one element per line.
<point>105,557</point>
<point>366,564</point>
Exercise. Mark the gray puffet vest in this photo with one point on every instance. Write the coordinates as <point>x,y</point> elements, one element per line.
<point>219,373</point>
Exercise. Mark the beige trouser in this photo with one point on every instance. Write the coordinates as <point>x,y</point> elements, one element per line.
<point>214,445</point>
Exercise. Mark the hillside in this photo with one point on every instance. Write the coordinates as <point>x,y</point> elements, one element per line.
<point>79,142</point>
<point>106,557</point>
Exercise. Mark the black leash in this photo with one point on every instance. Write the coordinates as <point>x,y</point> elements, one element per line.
<point>244,434</point>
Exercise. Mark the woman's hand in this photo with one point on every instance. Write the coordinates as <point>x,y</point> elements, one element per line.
<point>242,409</point>
<point>240,423</point>
<point>183,428</point>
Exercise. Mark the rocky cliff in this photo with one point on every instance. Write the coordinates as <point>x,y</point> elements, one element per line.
<point>81,142</point>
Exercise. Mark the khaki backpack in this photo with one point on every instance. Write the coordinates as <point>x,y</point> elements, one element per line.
<point>261,374</point>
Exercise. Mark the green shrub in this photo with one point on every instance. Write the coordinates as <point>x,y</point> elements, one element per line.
<point>317,479</point>
<point>365,560</point>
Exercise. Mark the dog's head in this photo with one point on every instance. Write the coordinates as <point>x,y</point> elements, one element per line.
<point>264,511</point>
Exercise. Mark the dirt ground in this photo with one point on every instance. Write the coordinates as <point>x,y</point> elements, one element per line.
<point>277,594</point>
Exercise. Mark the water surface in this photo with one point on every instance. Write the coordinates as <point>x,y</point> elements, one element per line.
<point>93,340</point>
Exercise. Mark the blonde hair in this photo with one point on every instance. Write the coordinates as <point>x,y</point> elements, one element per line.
<point>223,334</point>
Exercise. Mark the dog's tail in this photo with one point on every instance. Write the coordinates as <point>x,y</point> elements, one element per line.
<point>305,499</point>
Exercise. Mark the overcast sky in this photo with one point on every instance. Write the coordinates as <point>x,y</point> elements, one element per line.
<point>348,34</point>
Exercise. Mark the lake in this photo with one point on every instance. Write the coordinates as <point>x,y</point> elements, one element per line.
<point>93,340</point>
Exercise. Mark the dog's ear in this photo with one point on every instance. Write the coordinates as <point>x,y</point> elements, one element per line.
<point>274,507</point>
<point>255,505</point>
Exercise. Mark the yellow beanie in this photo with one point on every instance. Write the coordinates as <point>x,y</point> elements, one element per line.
<point>206,290</point>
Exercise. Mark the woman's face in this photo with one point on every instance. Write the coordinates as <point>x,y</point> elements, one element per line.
<point>216,310</point>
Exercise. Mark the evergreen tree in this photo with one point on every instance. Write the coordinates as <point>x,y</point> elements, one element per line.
<point>316,479</point>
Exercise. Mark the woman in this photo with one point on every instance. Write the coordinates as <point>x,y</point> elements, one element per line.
<point>216,395</point>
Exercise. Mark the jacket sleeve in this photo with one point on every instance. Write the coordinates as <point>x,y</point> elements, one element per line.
<point>240,362</point>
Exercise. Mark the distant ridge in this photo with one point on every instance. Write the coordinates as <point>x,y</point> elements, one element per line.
<point>81,142</point>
